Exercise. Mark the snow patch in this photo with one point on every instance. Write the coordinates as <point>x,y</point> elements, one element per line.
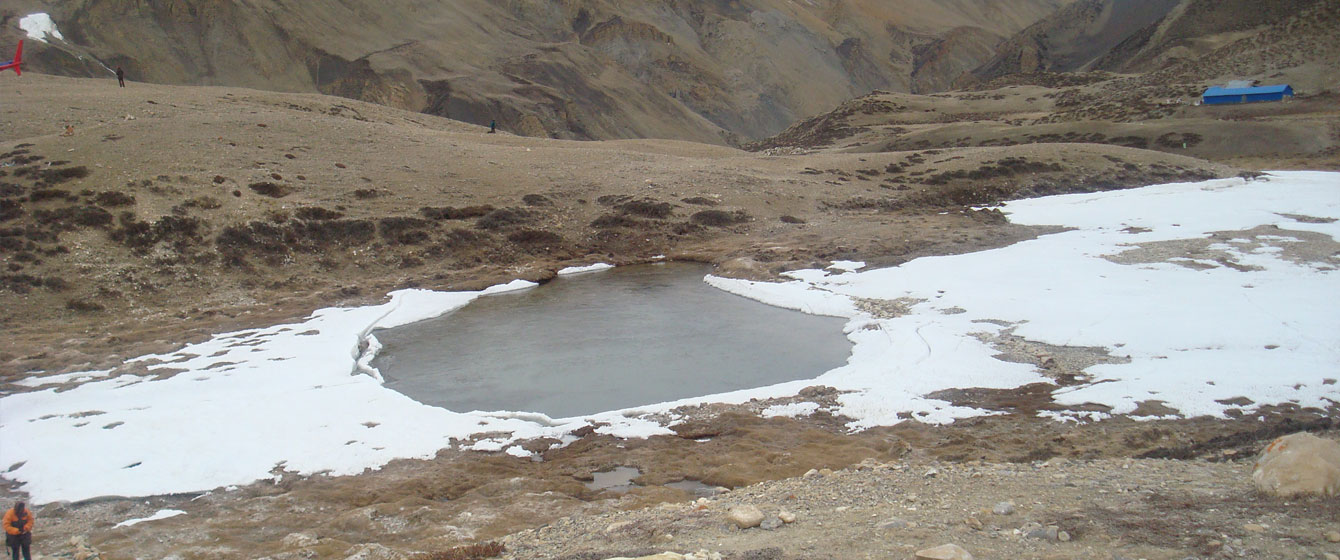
<point>39,27</point>
<point>160,514</point>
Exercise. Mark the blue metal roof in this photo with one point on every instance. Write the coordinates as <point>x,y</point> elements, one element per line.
<point>1218,91</point>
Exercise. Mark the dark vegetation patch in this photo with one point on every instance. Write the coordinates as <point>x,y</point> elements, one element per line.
<point>719,218</point>
<point>203,203</point>
<point>272,190</point>
<point>265,238</point>
<point>700,201</point>
<point>536,200</point>
<point>1179,140</point>
<point>535,237</point>
<point>43,195</point>
<point>316,213</point>
<point>56,176</point>
<point>10,209</point>
<point>504,217</point>
<point>610,221</point>
<point>449,213</point>
<point>25,283</point>
<point>113,199</point>
<point>404,230</point>
<point>84,305</point>
<point>1007,167</point>
<point>646,208</point>
<point>792,220</point>
<point>612,199</point>
<point>73,217</point>
<point>140,235</point>
<point>467,552</point>
<point>366,194</point>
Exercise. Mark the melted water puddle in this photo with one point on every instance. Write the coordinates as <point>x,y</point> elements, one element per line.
<point>620,480</point>
<point>591,343</point>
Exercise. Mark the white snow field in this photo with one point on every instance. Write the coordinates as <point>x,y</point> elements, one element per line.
<point>1247,314</point>
<point>39,27</point>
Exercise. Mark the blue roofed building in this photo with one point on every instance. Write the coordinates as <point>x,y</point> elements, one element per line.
<point>1222,96</point>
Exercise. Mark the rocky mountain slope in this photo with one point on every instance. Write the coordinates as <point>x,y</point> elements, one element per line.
<point>1140,35</point>
<point>584,69</point>
<point>1156,110</point>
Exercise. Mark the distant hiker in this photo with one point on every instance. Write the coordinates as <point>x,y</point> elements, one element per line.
<point>493,126</point>
<point>19,531</point>
<point>120,76</point>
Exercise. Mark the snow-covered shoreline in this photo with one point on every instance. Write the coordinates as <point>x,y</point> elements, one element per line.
<point>234,409</point>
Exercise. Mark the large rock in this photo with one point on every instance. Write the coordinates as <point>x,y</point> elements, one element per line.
<point>944,552</point>
<point>1299,464</point>
<point>375,552</point>
<point>745,516</point>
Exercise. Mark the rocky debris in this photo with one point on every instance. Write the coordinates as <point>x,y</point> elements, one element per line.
<point>1048,533</point>
<point>944,552</point>
<point>746,516</point>
<point>299,540</point>
<point>700,555</point>
<point>375,552</point>
<point>894,523</point>
<point>1299,463</point>
<point>81,549</point>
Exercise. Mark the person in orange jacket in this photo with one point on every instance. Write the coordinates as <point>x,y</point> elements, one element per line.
<point>19,531</point>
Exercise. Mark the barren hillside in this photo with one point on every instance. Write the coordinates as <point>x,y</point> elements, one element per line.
<point>583,69</point>
<point>185,209</point>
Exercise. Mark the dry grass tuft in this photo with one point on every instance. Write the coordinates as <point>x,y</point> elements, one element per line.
<point>467,552</point>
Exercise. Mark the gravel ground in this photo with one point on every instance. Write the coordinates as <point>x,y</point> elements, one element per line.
<point>1061,508</point>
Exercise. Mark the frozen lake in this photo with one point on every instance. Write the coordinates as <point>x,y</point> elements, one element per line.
<point>604,341</point>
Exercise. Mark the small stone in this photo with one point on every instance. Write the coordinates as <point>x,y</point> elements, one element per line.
<point>1254,528</point>
<point>812,473</point>
<point>1329,556</point>
<point>841,509</point>
<point>770,524</point>
<point>1003,508</point>
<point>1048,533</point>
<point>745,517</point>
<point>944,552</point>
<point>826,472</point>
<point>1333,536</point>
<point>1063,536</point>
<point>932,473</point>
<point>786,516</point>
<point>893,523</point>
<point>616,526</point>
<point>974,523</point>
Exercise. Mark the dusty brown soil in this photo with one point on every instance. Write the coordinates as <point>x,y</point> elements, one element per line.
<point>173,213</point>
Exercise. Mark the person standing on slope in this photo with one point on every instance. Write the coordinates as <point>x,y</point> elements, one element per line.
<point>120,76</point>
<point>19,531</point>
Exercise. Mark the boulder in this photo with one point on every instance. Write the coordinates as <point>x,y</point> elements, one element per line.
<point>299,540</point>
<point>944,552</point>
<point>745,516</point>
<point>1299,463</point>
<point>375,552</point>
